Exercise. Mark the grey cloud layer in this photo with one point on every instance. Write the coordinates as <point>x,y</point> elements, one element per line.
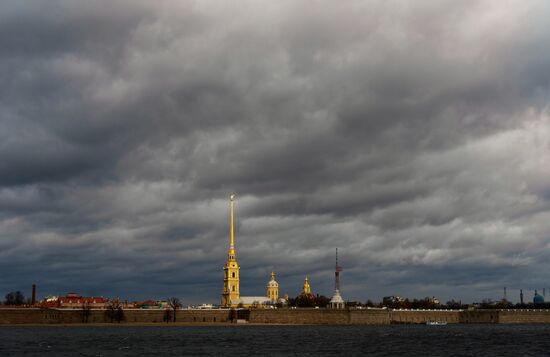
<point>415,138</point>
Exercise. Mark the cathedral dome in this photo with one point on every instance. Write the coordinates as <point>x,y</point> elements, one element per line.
<point>272,283</point>
<point>538,299</point>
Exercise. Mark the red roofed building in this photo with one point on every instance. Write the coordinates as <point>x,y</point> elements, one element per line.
<point>74,301</point>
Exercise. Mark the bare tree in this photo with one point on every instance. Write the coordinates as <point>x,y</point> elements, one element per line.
<point>167,316</point>
<point>305,300</point>
<point>15,298</point>
<point>114,311</point>
<point>86,311</point>
<point>175,304</point>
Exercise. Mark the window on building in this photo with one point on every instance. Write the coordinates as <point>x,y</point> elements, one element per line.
<point>233,287</point>
<point>233,274</point>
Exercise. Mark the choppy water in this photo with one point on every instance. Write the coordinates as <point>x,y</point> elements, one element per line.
<point>394,340</point>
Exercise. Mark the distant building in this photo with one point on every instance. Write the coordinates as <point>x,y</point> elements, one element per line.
<point>128,304</point>
<point>148,304</point>
<point>151,304</point>
<point>272,298</point>
<point>386,300</point>
<point>253,301</point>
<point>538,299</point>
<point>73,301</point>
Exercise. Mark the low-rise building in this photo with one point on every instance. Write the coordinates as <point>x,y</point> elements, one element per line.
<point>73,301</point>
<point>392,299</point>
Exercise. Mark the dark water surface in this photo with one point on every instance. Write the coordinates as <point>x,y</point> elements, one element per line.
<point>393,340</point>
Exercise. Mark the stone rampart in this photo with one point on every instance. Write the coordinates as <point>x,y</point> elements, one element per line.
<point>24,316</point>
<point>279,316</point>
<point>369,317</point>
<point>320,317</point>
<point>299,316</point>
<point>479,317</point>
<point>424,316</point>
<point>524,316</point>
<point>69,316</point>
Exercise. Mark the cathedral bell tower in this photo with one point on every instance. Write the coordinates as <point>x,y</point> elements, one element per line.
<point>273,289</point>
<point>230,294</point>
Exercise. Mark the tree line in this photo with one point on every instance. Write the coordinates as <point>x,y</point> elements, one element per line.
<point>16,298</point>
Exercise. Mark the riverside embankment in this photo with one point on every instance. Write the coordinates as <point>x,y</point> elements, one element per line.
<point>36,316</point>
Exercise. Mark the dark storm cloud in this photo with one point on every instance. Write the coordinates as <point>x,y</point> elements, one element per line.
<point>415,138</point>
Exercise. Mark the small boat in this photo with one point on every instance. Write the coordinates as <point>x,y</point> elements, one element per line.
<point>438,323</point>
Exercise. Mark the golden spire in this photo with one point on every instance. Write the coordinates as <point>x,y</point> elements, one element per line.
<point>272,275</point>
<point>231,252</point>
<point>307,288</point>
<point>230,293</point>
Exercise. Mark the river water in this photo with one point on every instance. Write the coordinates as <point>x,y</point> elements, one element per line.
<point>392,340</point>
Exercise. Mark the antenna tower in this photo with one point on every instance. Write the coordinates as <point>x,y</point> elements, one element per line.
<point>337,271</point>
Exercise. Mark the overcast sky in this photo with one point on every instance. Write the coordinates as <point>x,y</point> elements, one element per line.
<point>413,136</point>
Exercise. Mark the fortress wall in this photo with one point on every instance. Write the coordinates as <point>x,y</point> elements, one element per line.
<point>299,316</point>
<point>40,316</point>
<point>159,316</point>
<point>131,316</point>
<point>204,316</point>
<point>320,317</point>
<point>479,317</point>
<point>69,316</point>
<point>423,316</point>
<point>524,316</point>
<point>21,316</point>
<point>281,316</point>
<point>369,317</point>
